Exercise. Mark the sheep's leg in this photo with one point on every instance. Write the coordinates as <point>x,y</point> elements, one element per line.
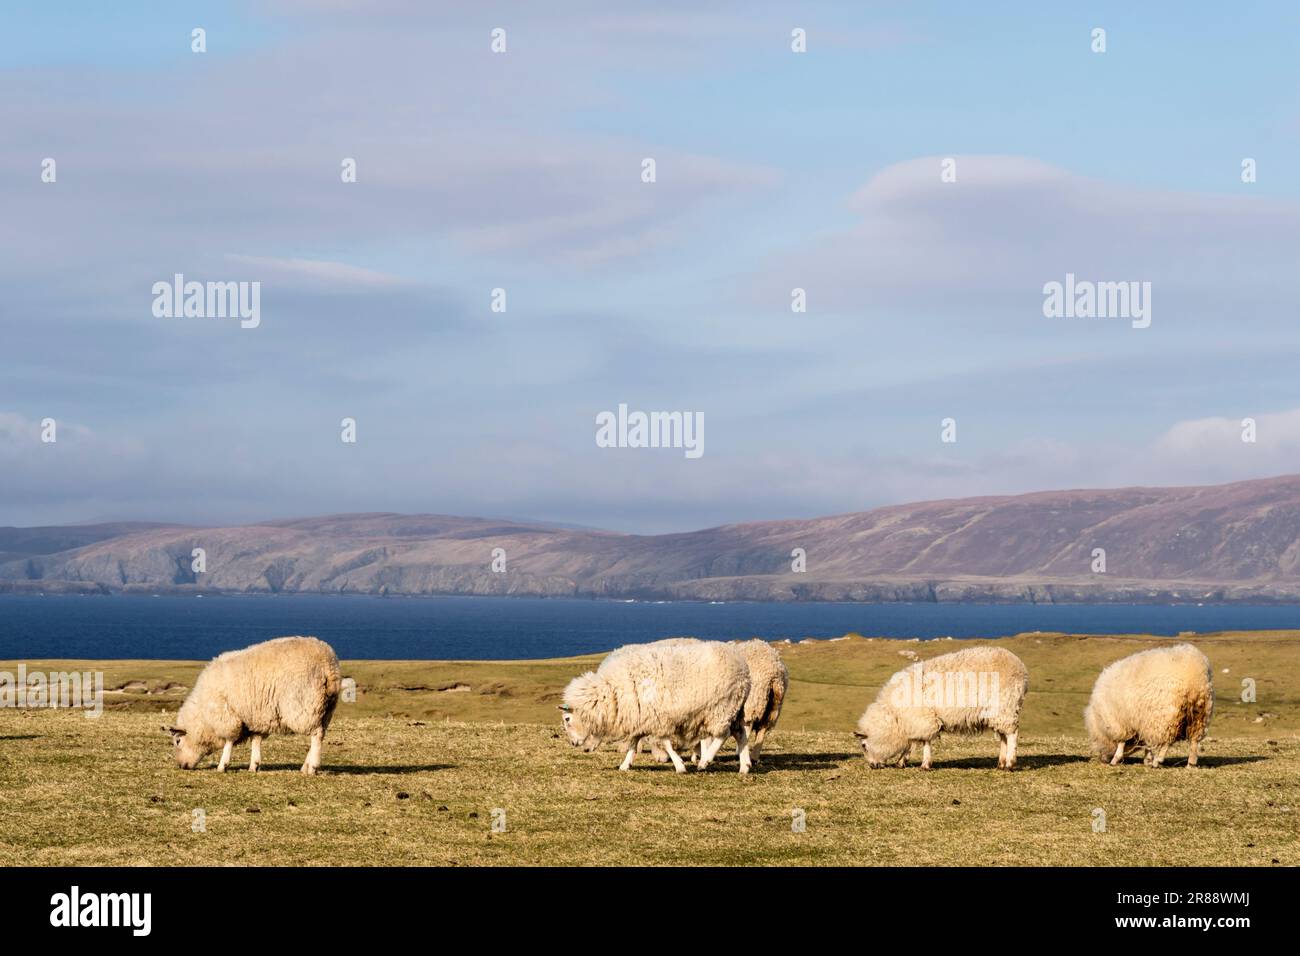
<point>1011,750</point>
<point>313,754</point>
<point>659,750</point>
<point>225,756</point>
<point>742,748</point>
<point>255,760</point>
<point>1193,751</point>
<point>672,755</point>
<point>1116,760</point>
<point>756,742</point>
<point>1157,757</point>
<point>925,755</point>
<point>709,748</point>
<point>631,752</point>
<point>761,732</point>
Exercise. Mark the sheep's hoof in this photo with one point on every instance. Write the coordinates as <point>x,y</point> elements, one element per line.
<point>308,769</point>
<point>681,769</point>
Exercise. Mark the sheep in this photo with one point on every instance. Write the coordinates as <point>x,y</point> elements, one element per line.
<point>979,688</point>
<point>763,709</point>
<point>1151,699</point>
<point>287,685</point>
<point>679,689</point>
<point>769,679</point>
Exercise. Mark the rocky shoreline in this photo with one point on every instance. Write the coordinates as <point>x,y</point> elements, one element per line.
<point>778,590</point>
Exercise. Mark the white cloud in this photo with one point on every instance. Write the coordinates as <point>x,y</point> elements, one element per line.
<point>990,240</point>
<point>318,272</point>
<point>1213,448</point>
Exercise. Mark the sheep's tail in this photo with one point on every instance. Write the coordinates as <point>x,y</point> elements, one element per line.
<point>771,713</point>
<point>1194,720</point>
<point>333,689</point>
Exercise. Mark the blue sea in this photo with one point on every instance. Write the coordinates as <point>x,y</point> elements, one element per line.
<point>489,628</point>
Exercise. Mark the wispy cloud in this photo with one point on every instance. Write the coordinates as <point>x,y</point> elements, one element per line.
<point>316,272</point>
<point>1008,224</point>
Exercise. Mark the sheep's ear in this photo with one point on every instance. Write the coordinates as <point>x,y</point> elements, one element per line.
<point>565,708</point>
<point>174,731</point>
<point>859,734</point>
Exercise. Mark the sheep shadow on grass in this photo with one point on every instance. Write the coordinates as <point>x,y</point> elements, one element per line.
<point>1023,762</point>
<point>1034,761</point>
<point>788,761</point>
<point>1222,761</point>
<point>328,768</point>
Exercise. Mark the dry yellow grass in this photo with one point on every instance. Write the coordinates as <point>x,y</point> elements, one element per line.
<point>413,774</point>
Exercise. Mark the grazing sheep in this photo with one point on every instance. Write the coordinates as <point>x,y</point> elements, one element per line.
<point>1151,699</point>
<point>289,686</point>
<point>679,689</point>
<point>979,688</point>
<point>769,679</point>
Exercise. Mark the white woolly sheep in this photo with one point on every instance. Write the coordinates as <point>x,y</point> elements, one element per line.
<point>1151,699</point>
<point>286,686</point>
<point>769,679</point>
<point>679,689</point>
<point>967,691</point>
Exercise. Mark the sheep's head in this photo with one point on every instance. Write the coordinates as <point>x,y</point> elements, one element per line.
<point>883,742</point>
<point>1103,747</point>
<point>188,751</point>
<point>578,697</point>
<point>577,732</point>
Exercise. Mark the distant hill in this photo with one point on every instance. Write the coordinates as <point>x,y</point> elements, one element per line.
<point>17,543</point>
<point>1230,542</point>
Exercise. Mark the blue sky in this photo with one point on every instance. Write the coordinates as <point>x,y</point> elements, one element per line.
<point>775,170</point>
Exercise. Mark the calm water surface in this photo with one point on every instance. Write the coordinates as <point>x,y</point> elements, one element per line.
<point>488,628</point>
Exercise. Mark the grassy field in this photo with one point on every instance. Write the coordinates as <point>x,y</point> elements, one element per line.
<point>430,754</point>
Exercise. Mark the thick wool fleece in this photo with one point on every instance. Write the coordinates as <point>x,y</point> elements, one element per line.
<point>965,692</point>
<point>289,685</point>
<point>769,680</point>
<point>675,689</point>
<point>1151,699</point>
